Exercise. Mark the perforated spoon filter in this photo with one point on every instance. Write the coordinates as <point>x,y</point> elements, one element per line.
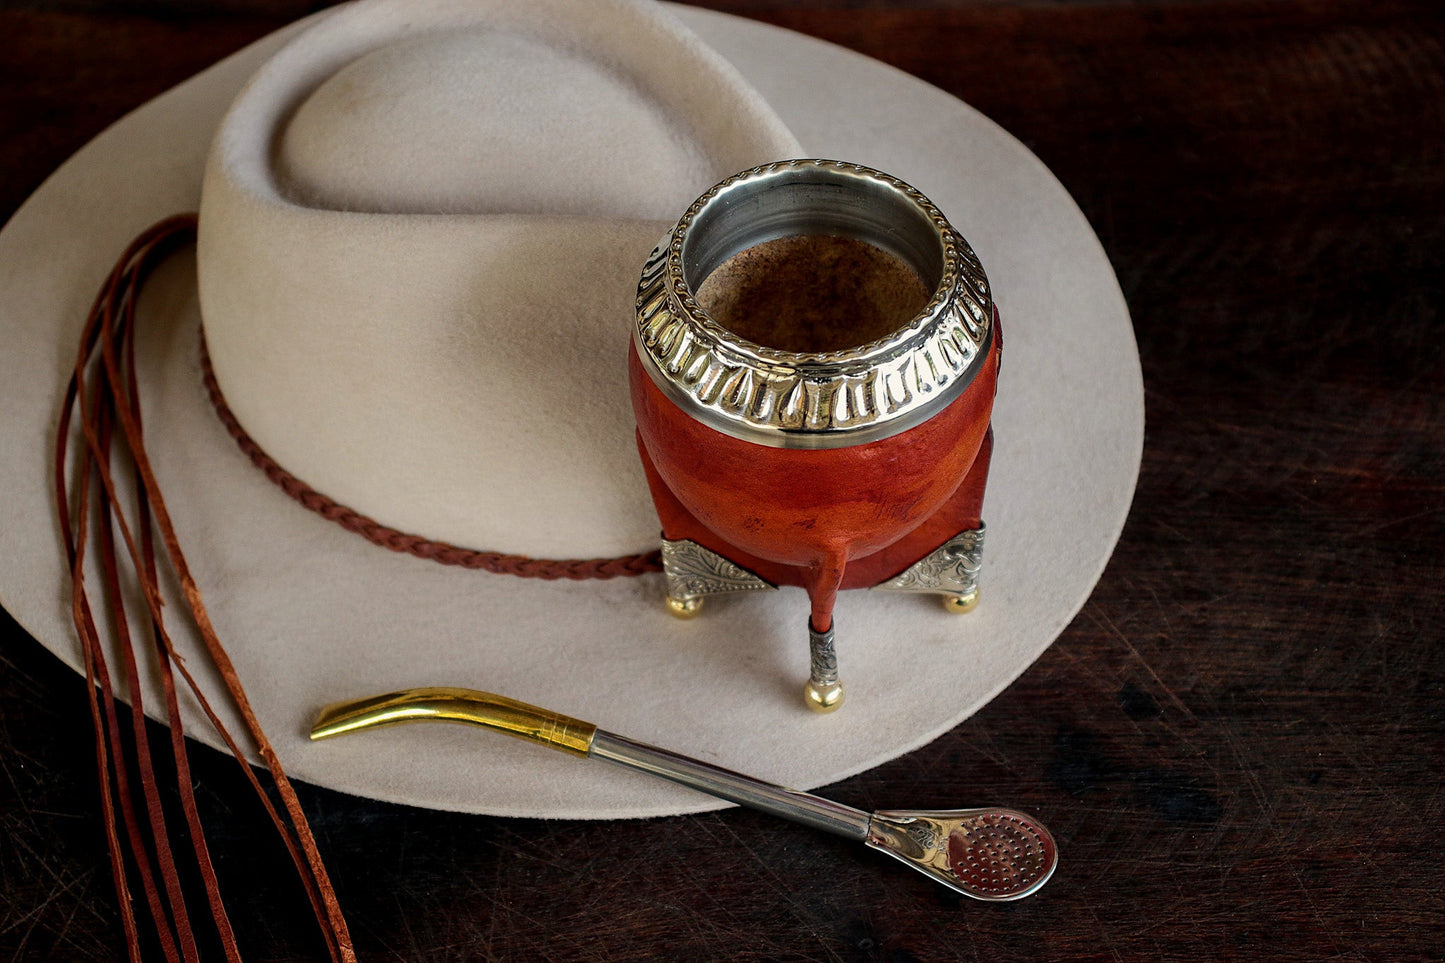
<point>989,854</point>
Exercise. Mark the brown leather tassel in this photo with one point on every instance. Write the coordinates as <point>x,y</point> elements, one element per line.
<point>100,436</point>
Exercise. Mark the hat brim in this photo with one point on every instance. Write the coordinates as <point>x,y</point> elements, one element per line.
<point>311,613</point>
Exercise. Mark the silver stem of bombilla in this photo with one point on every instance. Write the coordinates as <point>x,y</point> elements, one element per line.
<point>800,807</point>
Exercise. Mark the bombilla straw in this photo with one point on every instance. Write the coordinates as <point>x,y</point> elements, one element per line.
<point>989,854</point>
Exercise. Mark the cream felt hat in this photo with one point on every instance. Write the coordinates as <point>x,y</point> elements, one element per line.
<point>421,227</point>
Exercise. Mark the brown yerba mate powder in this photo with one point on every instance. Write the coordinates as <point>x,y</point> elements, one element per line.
<point>813,292</point>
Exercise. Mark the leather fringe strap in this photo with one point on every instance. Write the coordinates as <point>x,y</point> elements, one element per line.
<point>116,529</point>
<point>126,532</point>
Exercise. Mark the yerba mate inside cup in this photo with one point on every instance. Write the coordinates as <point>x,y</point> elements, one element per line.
<point>811,293</point>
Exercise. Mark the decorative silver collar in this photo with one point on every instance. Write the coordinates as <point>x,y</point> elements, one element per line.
<point>813,400</point>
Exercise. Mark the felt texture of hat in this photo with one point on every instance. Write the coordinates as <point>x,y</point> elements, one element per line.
<point>311,613</point>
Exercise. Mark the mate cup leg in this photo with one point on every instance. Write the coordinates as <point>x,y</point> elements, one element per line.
<point>694,566</point>
<point>823,692</point>
<point>693,572</point>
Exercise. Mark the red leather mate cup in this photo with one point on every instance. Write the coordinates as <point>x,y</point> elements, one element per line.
<point>813,371</point>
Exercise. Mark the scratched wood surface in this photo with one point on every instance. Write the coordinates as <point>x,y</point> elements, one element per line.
<point>1238,742</point>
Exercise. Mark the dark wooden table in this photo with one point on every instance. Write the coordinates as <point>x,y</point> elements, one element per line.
<point>1238,742</point>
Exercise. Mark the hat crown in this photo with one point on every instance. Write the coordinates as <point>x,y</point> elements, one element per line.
<point>420,231</point>
<point>485,121</point>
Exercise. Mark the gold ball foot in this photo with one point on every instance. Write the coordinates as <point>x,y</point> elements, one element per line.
<point>823,698</point>
<point>684,608</point>
<point>959,604</point>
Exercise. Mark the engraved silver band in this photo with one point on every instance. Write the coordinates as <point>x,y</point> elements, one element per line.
<point>822,658</point>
